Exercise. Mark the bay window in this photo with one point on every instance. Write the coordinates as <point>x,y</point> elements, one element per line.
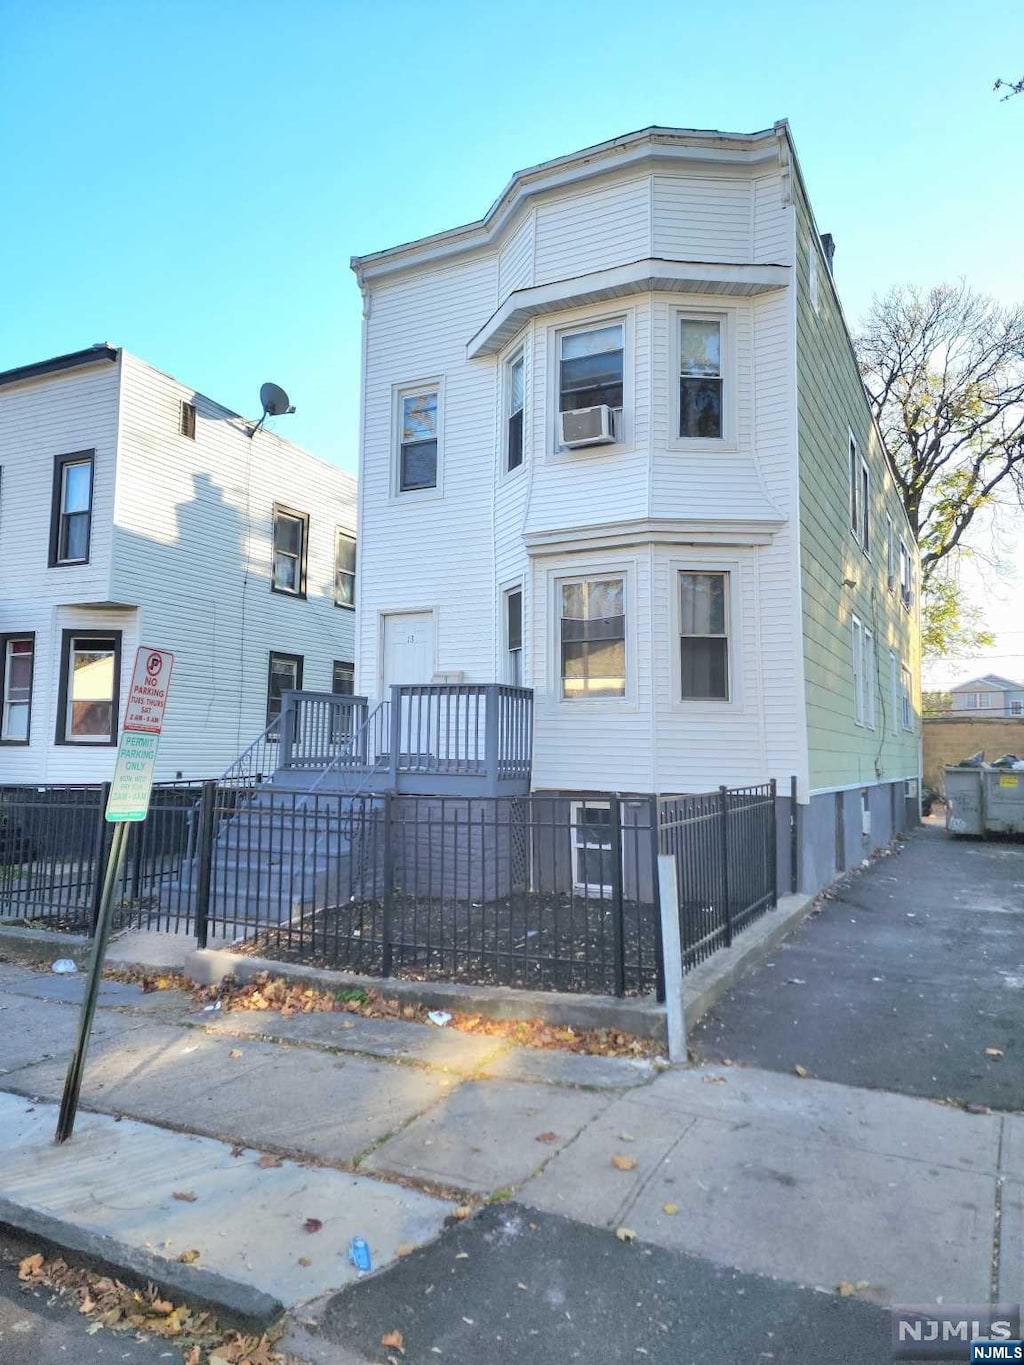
<point>593,638</point>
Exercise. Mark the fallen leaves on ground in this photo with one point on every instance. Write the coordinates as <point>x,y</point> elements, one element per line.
<point>405,1249</point>
<point>267,1160</point>
<point>546,1137</point>
<point>625,1234</point>
<point>801,1071</point>
<point>111,1304</point>
<point>288,998</point>
<point>394,1341</point>
<point>624,1163</point>
<point>186,1196</point>
<point>670,1209</point>
<point>188,1256</point>
<point>312,1225</point>
<point>462,1212</point>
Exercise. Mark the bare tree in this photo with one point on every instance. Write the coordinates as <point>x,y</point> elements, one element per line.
<point>1014,87</point>
<point>944,372</point>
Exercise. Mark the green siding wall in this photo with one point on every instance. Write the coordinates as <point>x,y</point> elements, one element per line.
<point>830,404</point>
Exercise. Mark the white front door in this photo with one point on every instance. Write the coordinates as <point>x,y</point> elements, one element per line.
<point>408,648</point>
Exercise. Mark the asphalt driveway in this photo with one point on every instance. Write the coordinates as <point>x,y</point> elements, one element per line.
<point>912,969</point>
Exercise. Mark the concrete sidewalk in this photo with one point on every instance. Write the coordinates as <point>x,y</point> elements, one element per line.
<point>384,1126</point>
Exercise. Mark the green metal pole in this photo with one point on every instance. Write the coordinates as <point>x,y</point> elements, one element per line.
<point>73,1084</point>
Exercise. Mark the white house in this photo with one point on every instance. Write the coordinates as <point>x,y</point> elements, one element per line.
<point>134,510</point>
<point>616,448</point>
<point>989,695</point>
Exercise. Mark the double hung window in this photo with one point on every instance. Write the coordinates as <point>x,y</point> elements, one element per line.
<point>593,638</point>
<point>90,672</point>
<point>700,377</point>
<point>514,636</point>
<point>71,517</point>
<point>291,533</point>
<point>515,386</point>
<point>417,461</point>
<point>592,847</point>
<point>906,687</point>
<point>860,497</point>
<point>284,675</point>
<point>344,569</point>
<point>16,684</point>
<point>704,637</point>
<point>590,368</point>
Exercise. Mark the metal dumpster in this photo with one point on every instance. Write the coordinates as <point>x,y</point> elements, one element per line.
<point>984,800</point>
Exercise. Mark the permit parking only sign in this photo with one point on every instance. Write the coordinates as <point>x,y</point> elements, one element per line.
<point>140,735</point>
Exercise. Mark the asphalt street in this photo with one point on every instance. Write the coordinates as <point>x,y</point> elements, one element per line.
<point>36,1328</point>
<point>913,968</point>
<point>539,1289</point>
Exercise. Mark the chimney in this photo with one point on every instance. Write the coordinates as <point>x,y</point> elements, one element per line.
<point>828,246</point>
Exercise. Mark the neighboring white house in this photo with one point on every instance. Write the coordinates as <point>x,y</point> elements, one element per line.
<point>616,448</point>
<point>134,510</point>
<point>989,695</point>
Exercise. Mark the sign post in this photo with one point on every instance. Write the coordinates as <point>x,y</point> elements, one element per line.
<point>127,802</point>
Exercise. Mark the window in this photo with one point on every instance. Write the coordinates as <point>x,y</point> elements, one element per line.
<point>858,672</point>
<point>704,640</point>
<point>984,700</point>
<point>343,679</point>
<point>515,388</point>
<point>700,377</point>
<point>285,675</point>
<point>1016,708</point>
<point>593,866</point>
<point>860,497</point>
<point>89,687</point>
<point>593,635</point>
<point>590,368</point>
<point>187,420</point>
<point>890,554</point>
<point>514,637</point>
<point>71,516</point>
<point>907,699</point>
<point>16,655</point>
<point>906,575</point>
<point>417,464</point>
<point>812,275</point>
<point>290,536</point>
<point>870,683</point>
<point>344,569</point>
<point>894,682</point>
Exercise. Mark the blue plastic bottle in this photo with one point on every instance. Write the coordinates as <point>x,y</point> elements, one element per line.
<point>359,1255</point>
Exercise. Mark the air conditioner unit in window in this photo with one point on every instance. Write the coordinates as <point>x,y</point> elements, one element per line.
<point>587,427</point>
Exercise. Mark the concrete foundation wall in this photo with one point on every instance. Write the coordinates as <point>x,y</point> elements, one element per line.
<point>831,827</point>
<point>948,739</point>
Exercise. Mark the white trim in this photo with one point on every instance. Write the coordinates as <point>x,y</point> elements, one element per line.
<point>729,439</point>
<point>601,889</point>
<point>870,662</point>
<point>648,531</point>
<point>627,570</point>
<point>506,669</point>
<point>383,612</point>
<point>517,354</point>
<point>857,645</point>
<point>862,786</point>
<point>434,384</point>
<point>638,277</point>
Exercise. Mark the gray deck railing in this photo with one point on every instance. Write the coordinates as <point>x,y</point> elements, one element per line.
<point>470,735</point>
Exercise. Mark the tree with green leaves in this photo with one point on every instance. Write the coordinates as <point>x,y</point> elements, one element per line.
<point>944,373</point>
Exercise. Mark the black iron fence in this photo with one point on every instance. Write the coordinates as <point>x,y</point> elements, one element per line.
<point>545,891</point>
<point>724,846</point>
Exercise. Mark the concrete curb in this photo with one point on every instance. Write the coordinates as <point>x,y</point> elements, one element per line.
<point>236,1304</point>
<point>640,1017</point>
<point>43,945</point>
<point>705,985</point>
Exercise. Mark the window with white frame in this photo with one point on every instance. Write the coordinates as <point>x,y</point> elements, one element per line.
<point>812,275</point>
<point>1016,708</point>
<point>515,400</point>
<point>858,671</point>
<point>860,497</point>
<point>868,707</point>
<point>704,636</point>
<point>418,440</point>
<point>865,507</point>
<point>592,847</point>
<point>590,368</point>
<point>344,569</point>
<point>854,489</point>
<point>984,700</point>
<point>700,378</point>
<point>291,533</point>
<point>894,688</point>
<point>907,698</point>
<point>514,637</point>
<point>284,674</point>
<point>16,656</point>
<point>890,554</point>
<point>592,627</point>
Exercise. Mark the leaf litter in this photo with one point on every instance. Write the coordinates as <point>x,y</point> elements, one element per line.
<point>145,1312</point>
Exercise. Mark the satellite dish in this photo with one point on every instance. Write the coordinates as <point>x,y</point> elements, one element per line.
<point>275,401</point>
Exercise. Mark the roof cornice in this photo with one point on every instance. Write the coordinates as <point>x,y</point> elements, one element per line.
<point>73,361</point>
<point>646,148</point>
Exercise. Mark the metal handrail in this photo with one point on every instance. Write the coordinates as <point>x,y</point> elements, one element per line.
<point>237,771</point>
<point>349,749</point>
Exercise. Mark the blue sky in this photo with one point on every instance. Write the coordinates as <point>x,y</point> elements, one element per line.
<point>190,179</point>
